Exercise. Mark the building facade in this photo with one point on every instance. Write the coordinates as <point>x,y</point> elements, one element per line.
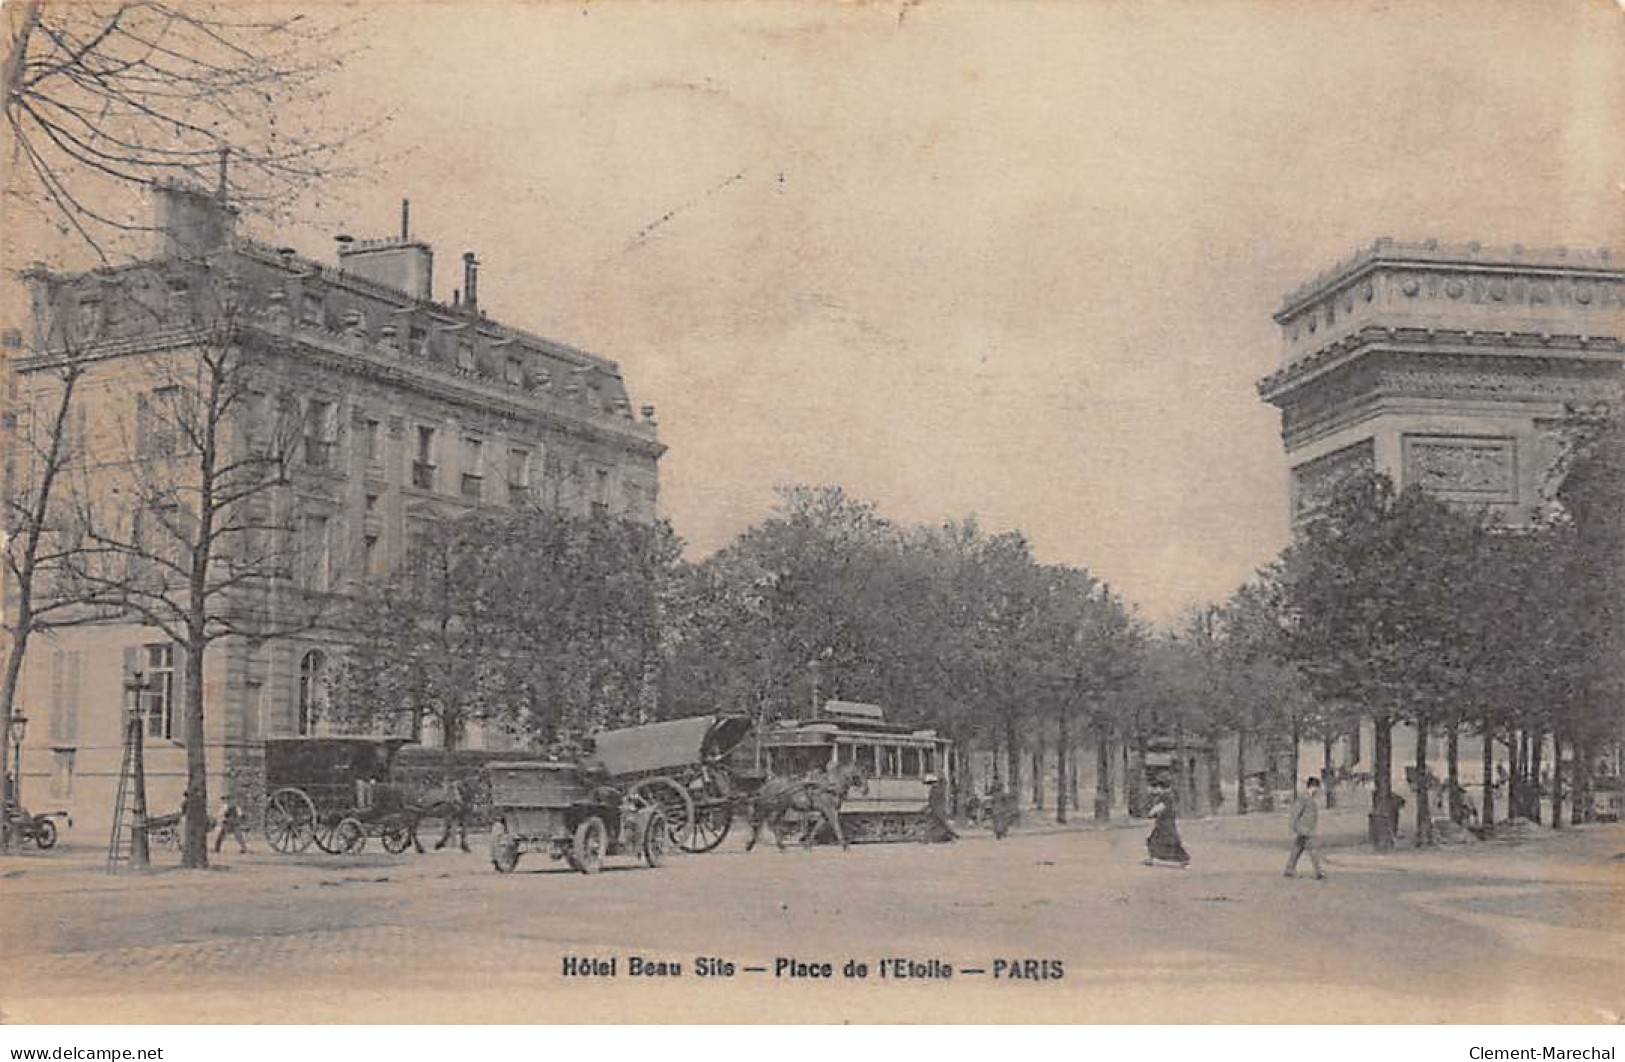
<point>1453,367</point>
<point>407,410</point>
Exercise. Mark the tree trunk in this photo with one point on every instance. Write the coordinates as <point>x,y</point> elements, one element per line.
<point>1012,749</point>
<point>1328,781</point>
<point>1382,788</point>
<point>1487,819</point>
<point>1241,771</point>
<point>1103,773</point>
<point>1515,775</point>
<point>1297,742</point>
<point>1453,770</point>
<point>1072,760</point>
<point>1582,784</point>
<point>1038,772</point>
<point>1557,780</point>
<point>8,693</point>
<point>1215,787</point>
<point>1424,799</point>
<point>1182,797</point>
<point>1537,742</point>
<point>1062,762</point>
<point>195,851</point>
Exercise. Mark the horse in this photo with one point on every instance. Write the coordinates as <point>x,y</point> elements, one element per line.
<point>818,796</point>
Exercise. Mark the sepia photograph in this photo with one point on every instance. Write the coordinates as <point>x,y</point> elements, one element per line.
<point>886,512</point>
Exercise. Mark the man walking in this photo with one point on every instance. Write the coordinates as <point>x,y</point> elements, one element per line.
<point>231,821</point>
<point>1305,820</point>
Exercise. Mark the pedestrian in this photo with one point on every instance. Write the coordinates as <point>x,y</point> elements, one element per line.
<point>460,801</point>
<point>938,828</point>
<point>231,818</point>
<point>1163,842</point>
<point>1304,821</point>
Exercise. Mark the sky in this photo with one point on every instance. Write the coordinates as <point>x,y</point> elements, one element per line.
<point>1014,260</point>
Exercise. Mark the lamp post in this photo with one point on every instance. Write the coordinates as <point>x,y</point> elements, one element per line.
<point>11,772</point>
<point>137,684</point>
<point>18,728</point>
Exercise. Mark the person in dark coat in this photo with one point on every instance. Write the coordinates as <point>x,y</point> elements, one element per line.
<point>231,821</point>
<point>938,827</point>
<point>1163,843</point>
<point>461,799</point>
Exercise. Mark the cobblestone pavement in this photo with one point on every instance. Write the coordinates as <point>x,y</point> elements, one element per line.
<point>1532,933</point>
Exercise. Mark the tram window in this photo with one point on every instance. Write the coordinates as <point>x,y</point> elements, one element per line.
<point>911,763</point>
<point>845,755</point>
<point>928,759</point>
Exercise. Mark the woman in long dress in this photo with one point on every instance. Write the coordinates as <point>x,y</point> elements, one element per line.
<point>1163,844</point>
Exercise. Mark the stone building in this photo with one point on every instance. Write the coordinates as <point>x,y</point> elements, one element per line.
<point>1451,366</point>
<point>408,410</point>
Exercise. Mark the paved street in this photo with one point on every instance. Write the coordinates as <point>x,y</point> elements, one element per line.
<point>1532,932</point>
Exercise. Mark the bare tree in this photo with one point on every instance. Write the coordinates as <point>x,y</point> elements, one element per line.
<point>42,537</point>
<point>104,97</point>
<point>199,539</point>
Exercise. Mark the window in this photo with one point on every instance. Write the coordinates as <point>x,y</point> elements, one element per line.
<point>372,441</point>
<point>316,552</point>
<point>369,555</point>
<point>845,755</point>
<point>319,431</point>
<point>518,475</point>
<point>371,502</point>
<point>418,340</point>
<point>911,763</point>
<point>600,493</point>
<point>155,422</point>
<point>159,663</point>
<point>514,372</point>
<point>423,466</point>
<point>473,467</point>
<point>465,354</point>
<point>311,307</point>
<point>312,690</point>
<point>890,761</point>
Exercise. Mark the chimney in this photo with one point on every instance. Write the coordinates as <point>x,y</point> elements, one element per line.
<point>471,277</point>
<point>190,222</point>
<point>402,263</point>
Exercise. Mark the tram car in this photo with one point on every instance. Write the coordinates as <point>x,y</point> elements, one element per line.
<point>896,760</point>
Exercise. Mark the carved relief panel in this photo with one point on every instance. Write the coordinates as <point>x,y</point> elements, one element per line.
<point>1314,482</point>
<point>1486,467</point>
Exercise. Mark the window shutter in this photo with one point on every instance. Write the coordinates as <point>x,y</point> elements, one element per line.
<point>57,704</point>
<point>70,717</point>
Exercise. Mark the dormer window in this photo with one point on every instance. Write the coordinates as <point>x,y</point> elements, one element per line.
<point>465,354</point>
<point>513,371</point>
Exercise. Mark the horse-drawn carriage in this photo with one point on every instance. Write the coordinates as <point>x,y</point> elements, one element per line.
<point>567,810</point>
<point>335,792</point>
<point>681,766</point>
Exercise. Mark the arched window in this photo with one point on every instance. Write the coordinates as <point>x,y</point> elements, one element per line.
<point>312,690</point>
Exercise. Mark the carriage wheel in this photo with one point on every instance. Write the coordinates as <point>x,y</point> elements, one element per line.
<point>349,836</point>
<point>504,849</point>
<point>44,834</point>
<point>711,825</point>
<point>325,832</point>
<point>655,839</point>
<point>290,821</point>
<point>672,800</point>
<point>396,835</point>
<point>587,853</point>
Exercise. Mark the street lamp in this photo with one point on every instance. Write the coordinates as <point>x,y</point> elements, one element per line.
<point>19,729</point>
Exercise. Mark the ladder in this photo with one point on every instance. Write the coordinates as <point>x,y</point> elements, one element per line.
<point>121,846</point>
